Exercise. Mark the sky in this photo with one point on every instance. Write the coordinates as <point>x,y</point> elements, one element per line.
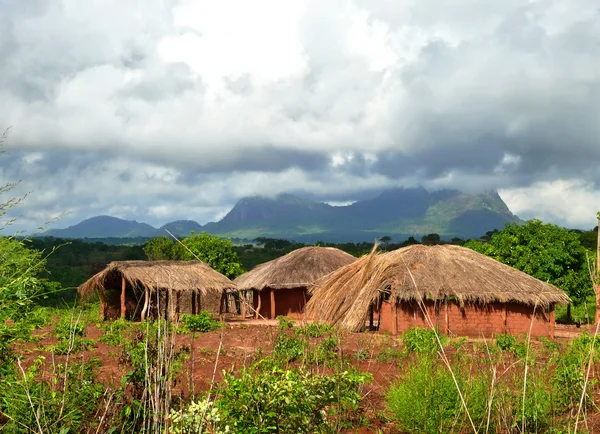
<point>159,110</point>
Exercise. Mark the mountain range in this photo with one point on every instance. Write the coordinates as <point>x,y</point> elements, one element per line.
<point>399,212</point>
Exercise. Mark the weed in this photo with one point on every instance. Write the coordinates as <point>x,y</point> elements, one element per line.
<point>285,322</point>
<point>422,341</point>
<point>202,322</point>
<point>314,330</point>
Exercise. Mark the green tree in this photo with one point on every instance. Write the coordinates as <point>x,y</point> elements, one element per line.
<point>431,239</point>
<point>546,251</point>
<point>163,248</point>
<point>215,251</point>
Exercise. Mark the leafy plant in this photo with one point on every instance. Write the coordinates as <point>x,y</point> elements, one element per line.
<point>314,330</point>
<point>426,400</point>
<point>202,322</point>
<point>422,341</point>
<point>276,400</point>
<point>284,322</point>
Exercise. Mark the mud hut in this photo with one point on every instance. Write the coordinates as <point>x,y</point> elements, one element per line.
<point>280,286</point>
<point>140,289</point>
<point>453,288</point>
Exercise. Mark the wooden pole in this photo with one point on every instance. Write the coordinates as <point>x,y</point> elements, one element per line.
<point>146,304</point>
<point>505,317</point>
<point>272,303</point>
<point>167,303</point>
<point>244,300</point>
<point>178,306</point>
<point>259,296</point>
<point>102,305</point>
<point>123,307</point>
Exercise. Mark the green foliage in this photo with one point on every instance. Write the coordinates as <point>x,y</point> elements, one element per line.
<point>287,349</point>
<point>202,322</point>
<point>69,327</point>
<point>506,342</point>
<point>545,251</point>
<point>66,404</point>
<point>114,332</point>
<point>215,251</point>
<point>388,354</point>
<point>163,248</point>
<point>314,330</point>
<point>275,401</point>
<point>509,343</point>
<point>284,322</point>
<point>325,353</point>
<point>426,400</point>
<point>422,341</point>
<point>20,285</point>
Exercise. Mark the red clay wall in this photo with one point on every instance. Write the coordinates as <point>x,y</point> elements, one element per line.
<point>288,302</point>
<point>474,320</point>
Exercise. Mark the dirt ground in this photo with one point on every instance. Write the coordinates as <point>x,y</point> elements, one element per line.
<point>237,344</point>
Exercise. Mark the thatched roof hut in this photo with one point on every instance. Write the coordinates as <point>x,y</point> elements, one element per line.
<point>149,278</point>
<point>418,273</point>
<point>291,274</point>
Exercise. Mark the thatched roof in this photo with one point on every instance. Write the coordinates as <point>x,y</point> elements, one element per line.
<point>419,272</point>
<point>154,275</point>
<point>296,269</point>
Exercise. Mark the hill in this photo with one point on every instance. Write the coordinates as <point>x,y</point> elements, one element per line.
<point>104,227</point>
<point>399,212</point>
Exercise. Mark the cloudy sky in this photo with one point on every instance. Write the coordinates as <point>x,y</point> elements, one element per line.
<point>157,110</point>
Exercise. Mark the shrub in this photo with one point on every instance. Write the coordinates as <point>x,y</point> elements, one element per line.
<point>506,342</point>
<point>66,404</point>
<point>314,330</point>
<point>287,349</point>
<point>276,400</point>
<point>509,343</point>
<point>426,400</point>
<point>68,328</point>
<point>422,341</point>
<point>285,322</point>
<point>202,322</point>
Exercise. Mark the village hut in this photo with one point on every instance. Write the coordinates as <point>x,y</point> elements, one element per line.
<point>280,286</point>
<point>153,289</point>
<point>453,288</point>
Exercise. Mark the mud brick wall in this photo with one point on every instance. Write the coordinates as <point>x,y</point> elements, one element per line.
<point>473,320</point>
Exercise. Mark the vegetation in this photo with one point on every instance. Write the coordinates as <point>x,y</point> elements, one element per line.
<point>215,251</point>
<point>545,251</point>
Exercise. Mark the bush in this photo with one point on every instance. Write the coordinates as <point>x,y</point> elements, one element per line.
<point>285,322</point>
<point>277,400</point>
<point>314,330</point>
<point>426,400</point>
<point>68,328</point>
<point>510,343</point>
<point>202,322</point>
<point>422,341</point>
<point>287,349</point>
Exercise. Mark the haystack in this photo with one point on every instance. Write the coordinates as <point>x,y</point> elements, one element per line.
<point>410,278</point>
<point>138,289</point>
<point>280,286</point>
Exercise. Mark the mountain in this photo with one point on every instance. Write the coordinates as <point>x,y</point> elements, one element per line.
<point>398,212</point>
<point>104,227</point>
<point>180,228</point>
